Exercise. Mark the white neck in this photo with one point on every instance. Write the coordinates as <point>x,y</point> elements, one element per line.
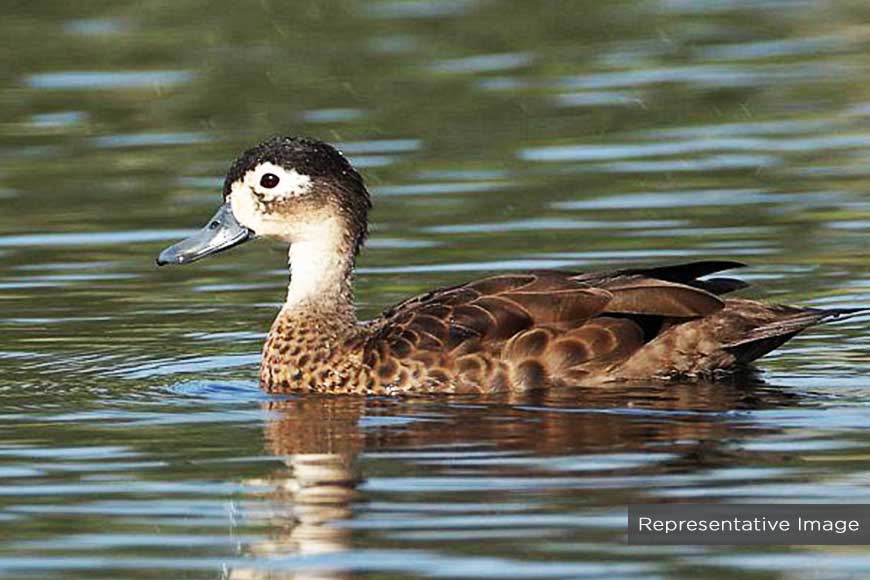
<point>320,266</point>
<point>317,270</point>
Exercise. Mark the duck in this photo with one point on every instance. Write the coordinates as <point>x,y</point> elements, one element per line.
<point>509,332</point>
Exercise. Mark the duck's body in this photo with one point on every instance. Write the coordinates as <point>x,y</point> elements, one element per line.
<point>509,332</point>
<point>532,330</point>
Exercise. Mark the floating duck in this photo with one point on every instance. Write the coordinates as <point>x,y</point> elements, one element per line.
<point>510,332</point>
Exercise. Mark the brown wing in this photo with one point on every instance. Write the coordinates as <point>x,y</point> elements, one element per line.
<point>487,312</point>
<point>517,331</point>
<point>530,330</point>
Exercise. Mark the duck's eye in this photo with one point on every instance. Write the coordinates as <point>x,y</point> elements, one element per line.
<point>269,180</point>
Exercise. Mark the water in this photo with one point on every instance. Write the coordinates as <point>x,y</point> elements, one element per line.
<point>495,135</point>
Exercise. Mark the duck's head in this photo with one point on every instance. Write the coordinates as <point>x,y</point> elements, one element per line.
<point>300,191</point>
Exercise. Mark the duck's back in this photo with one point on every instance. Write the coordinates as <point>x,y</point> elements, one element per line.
<point>548,329</point>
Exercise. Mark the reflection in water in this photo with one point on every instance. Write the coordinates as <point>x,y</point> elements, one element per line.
<point>319,440</point>
<point>626,430</point>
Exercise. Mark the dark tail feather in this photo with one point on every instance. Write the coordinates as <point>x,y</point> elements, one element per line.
<point>841,313</point>
<point>719,286</point>
<point>764,339</point>
<point>748,350</point>
<point>686,274</point>
<point>689,273</point>
<point>683,273</point>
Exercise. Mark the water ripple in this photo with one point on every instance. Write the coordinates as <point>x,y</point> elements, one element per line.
<point>89,80</point>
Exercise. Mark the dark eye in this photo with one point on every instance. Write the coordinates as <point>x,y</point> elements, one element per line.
<point>269,180</point>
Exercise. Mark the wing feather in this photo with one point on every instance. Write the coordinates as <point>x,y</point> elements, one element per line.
<point>541,327</point>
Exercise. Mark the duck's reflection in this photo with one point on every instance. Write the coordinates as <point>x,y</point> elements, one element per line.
<point>321,440</point>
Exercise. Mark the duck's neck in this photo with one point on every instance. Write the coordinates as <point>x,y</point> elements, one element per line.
<point>321,267</point>
<point>320,278</point>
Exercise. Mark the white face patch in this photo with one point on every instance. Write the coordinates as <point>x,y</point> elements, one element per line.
<point>287,184</point>
<point>250,196</point>
<point>286,225</point>
<point>245,209</point>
